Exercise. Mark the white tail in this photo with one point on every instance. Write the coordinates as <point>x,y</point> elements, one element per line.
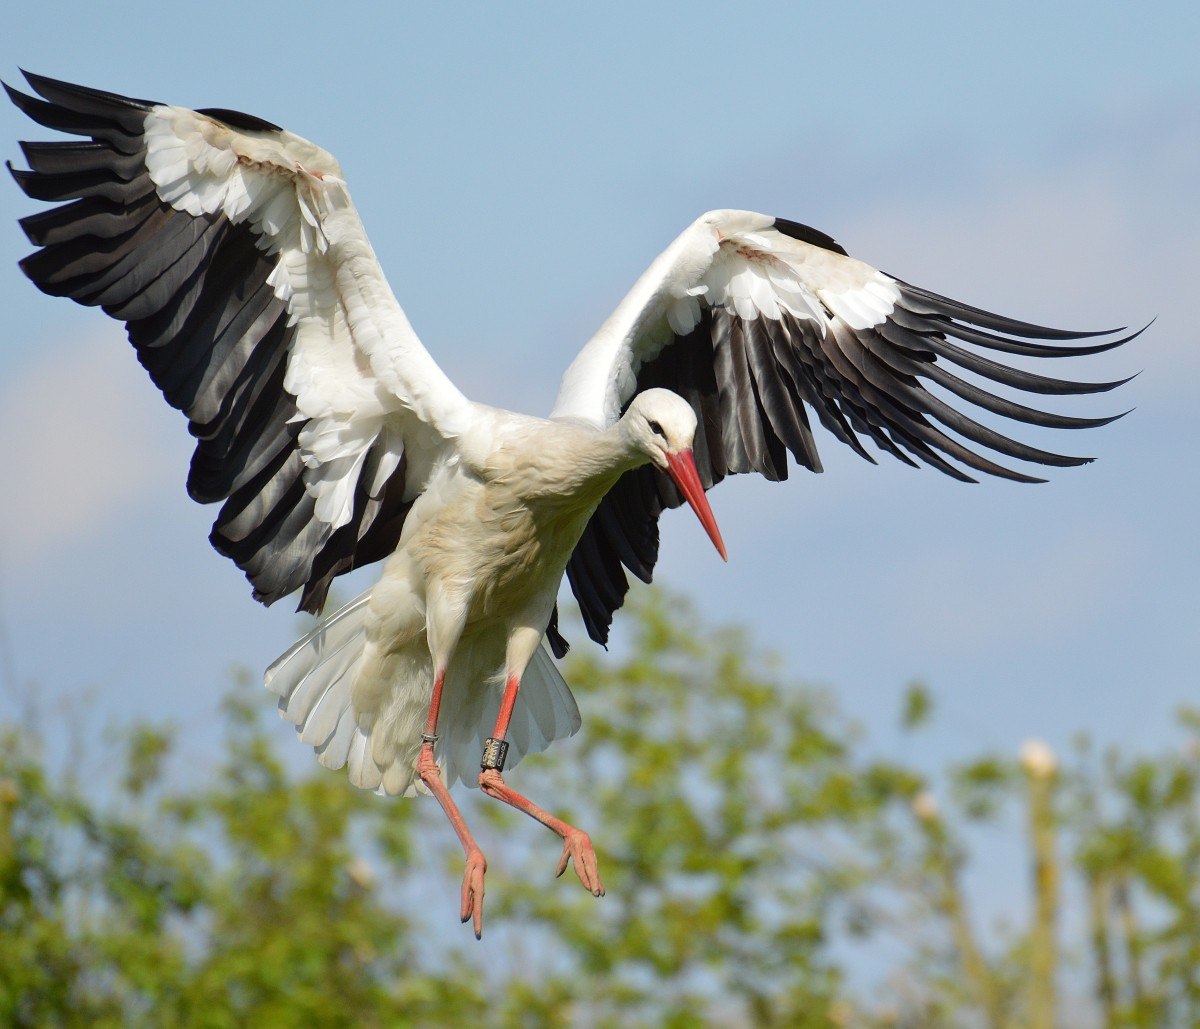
<point>545,712</point>
<point>315,678</point>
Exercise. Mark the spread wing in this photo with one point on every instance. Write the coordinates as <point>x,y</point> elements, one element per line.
<point>761,323</point>
<point>233,253</point>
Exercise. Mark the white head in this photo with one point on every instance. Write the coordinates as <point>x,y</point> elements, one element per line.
<point>662,426</point>
<point>659,422</point>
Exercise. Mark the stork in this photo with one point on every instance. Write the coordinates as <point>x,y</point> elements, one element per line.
<point>232,251</point>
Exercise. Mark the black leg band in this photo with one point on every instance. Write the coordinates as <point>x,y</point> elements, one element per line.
<point>494,753</point>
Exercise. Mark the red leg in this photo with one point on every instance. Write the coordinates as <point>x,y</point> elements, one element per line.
<point>576,843</point>
<point>431,776</point>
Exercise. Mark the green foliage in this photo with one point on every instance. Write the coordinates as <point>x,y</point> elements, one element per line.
<point>721,802</point>
<point>918,706</point>
<point>761,870</point>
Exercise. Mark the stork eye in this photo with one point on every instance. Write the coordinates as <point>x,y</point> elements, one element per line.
<point>657,430</point>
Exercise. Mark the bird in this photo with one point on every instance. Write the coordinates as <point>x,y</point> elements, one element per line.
<point>331,439</point>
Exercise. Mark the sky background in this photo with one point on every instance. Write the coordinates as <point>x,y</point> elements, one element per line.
<point>518,168</point>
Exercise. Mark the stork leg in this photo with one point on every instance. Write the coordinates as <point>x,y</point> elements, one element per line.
<point>577,845</point>
<point>431,776</point>
<point>444,632</point>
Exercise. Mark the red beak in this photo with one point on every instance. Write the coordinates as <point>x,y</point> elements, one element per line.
<point>682,467</point>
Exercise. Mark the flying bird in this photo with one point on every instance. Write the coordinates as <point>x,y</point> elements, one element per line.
<point>331,439</point>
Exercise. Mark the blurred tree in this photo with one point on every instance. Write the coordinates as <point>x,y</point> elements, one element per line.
<point>761,870</point>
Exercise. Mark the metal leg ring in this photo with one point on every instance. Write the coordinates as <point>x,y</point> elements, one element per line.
<point>494,753</point>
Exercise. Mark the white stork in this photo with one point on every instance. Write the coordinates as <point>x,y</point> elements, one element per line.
<point>234,255</point>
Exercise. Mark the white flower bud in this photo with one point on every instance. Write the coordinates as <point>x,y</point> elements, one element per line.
<point>1038,759</point>
<point>925,806</point>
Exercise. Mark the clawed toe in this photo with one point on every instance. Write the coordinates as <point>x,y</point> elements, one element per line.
<point>472,891</point>
<point>577,846</point>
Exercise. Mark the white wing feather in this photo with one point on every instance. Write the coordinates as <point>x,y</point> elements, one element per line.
<point>356,363</point>
<point>728,259</point>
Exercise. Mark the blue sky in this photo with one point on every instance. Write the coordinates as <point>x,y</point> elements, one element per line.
<point>517,168</point>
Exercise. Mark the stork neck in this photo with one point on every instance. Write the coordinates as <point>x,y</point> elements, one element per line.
<point>591,462</point>
<point>610,455</point>
<point>569,462</point>
<point>624,449</point>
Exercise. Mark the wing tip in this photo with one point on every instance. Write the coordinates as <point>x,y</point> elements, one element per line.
<point>952,308</point>
<point>19,99</point>
<point>47,88</point>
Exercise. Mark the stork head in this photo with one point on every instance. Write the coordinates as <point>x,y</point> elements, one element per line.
<point>662,425</point>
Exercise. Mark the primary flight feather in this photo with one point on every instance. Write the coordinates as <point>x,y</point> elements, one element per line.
<point>330,437</point>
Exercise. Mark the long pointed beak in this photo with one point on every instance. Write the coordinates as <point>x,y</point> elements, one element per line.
<point>682,467</point>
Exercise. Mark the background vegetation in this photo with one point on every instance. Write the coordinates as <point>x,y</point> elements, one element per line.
<point>762,868</point>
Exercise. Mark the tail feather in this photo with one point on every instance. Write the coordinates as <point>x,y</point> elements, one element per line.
<point>364,773</point>
<point>300,658</point>
<point>545,711</point>
<point>324,715</point>
<point>318,684</point>
<point>335,751</point>
<point>315,680</point>
<point>547,706</point>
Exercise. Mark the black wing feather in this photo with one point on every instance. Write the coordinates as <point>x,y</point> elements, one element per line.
<point>752,382</point>
<point>206,326</point>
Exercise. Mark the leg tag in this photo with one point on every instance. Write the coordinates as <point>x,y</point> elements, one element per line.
<point>494,753</point>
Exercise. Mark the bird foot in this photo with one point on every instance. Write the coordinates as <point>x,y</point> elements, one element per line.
<point>471,909</point>
<point>577,846</point>
<point>472,890</point>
